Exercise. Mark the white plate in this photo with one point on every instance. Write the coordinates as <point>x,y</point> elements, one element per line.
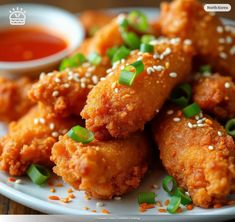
<point>36,197</point>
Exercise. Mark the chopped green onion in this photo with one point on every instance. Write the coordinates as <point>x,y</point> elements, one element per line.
<point>94,58</point>
<point>205,69</point>
<point>185,198</point>
<point>230,127</point>
<point>174,204</point>
<point>121,53</point>
<point>181,95</point>
<point>146,48</point>
<point>73,61</point>
<point>111,52</point>
<point>147,197</point>
<point>138,21</point>
<point>147,39</point>
<point>131,39</point>
<point>38,174</point>
<point>81,134</point>
<point>130,72</point>
<point>167,181</point>
<point>191,110</point>
<point>123,23</point>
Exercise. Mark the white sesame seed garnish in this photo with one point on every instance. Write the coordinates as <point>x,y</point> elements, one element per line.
<point>122,67</point>
<point>42,75</point>
<point>201,115</point>
<point>57,80</point>
<point>150,70</point>
<point>139,58</point>
<point>176,119</point>
<point>91,69</point>
<point>64,131</point>
<point>190,125</point>
<point>113,85</point>
<point>173,74</point>
<point>18,181</point>
<point>94,79</point>
<point>223,55</point>
<point>156,56</point>
<point>175,41</point>
<point>117,198</point>
<point>170,112</point>
<point>83,79</point>
<point>55,93</point>
<point>157,110</point>
<point>42,120</point>
<point>200,125</point>
<point>229,39</point>
<point>155,186</point>
<point>232,50</point>
<point>197,117</point>
<point>159,68</point>
<point>219,133</point>
<point>102,78</point>
<point>116,90</point>
<point>88,74</point>
<point>219,29</point>
<point>36,121</point>
<point>188,42</point>
<point>227,85</point>
<point>66,85</point>
<point>109,70</point>
<point>83,85</point>
<point>52,126</point>
<point>200,121</point>
<point>221,40</point>
<point>210,147</point>
<point>55,134</point>
<point>70,77</point>
<point>99,204</point>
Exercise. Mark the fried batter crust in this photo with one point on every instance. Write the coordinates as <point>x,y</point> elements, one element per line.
<point>102,169</point>
<point>200,160</point>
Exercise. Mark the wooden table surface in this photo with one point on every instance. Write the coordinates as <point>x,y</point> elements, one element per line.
<point>8,206</point>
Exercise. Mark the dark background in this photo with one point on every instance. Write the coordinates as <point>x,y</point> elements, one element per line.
<point>10,207</point>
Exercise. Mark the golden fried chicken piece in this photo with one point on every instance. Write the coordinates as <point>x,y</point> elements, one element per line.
<point>102,169</point>
<point>213,41</point>
<point>215,94</point>
<point>94,20</point>
<point>199,154</point>
<point>14,101</point>
<point>65,92</point>
<point>30,140</point>
<point>118,110</point>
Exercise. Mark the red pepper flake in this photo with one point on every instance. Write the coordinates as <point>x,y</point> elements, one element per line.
<point>159,204</point>
<point>11,179</point>
<point>179,210</point>
<point>94,211</point>
<point>167,202</point>
<point>50,183</point>
<point>190,206</point>
<point>161,210</point>
<point>59,185</point>
<point>105,211</point>
<point>72,196</point>
<point>54,198</point>
<point>52,190</point>
<point>70,190</point>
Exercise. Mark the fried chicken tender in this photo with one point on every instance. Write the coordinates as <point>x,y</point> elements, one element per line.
<point>102,169</point>
<point>117,110</point>
<point>65,92</point>
<point>213,41</point>
<point>30,140</point>
<point>94,20</point>
<point>215,94</point>
<point>14,101</point>
<point>201,158</point>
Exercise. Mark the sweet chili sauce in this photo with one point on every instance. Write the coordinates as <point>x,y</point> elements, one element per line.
<point>28,43</point>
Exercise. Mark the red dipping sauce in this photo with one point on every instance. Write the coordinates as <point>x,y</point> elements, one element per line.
<point>28,43</point>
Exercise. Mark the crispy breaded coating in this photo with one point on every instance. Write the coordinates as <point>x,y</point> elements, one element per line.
<point>215,94</point>
<point>93,20</point>
<point>102,169</point>
<point>30,140</point>
<point>199,154</point>
<point>117,110</point>
<point>65,92</point>
<point>14,101</point>
<point>213,41</point>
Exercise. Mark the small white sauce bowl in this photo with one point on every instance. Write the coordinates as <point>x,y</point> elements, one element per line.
<point>57,21</point>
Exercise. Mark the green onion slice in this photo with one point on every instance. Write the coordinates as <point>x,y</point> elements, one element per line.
<point>38,174</point>
<point>205,69</point>
<point>185,198</point>
<point>147,38</point>
<point>138,21</point>
<point>130,72</point>
<point>81,134</point>
<point>73,61</point>
<point>94,58</point>
<point>181,95</point>
<point>147,197</point>
<point>174,204</point>
<point>230,127</point>
<point>144,47</point>
<point>191,110</point>
<point>131,39</point>
<point>111,52</point>
<point>120,53</point>
<point>123,23</point>
<point>169,185</point>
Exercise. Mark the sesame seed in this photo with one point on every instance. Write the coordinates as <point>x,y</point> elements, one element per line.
<point>173,74</point>
<point>190,125</point>
<point>139,53</point>
<point>113,85</point>
<point>219,29</point>
<point>176,119</point>
<point>159,68</point>
<point>42,75</point>
<point>55,134</point>
<point>64,131</point>
<point>83,85</point>
<point>120,18</point>
<point>229,39</point>
<point>155,186</point>
<point>199,121</point>
<point>188,42</point>
<point>156,56</point>
<point>70,77</point>
<point>36,121</point>
<point>57,80</point>
<point>221,40</point>
<point>210,147</point>
<point>227,85</point>
<point>232,50</point>
<point>52,126</point>
<point>102,78</point>
<point>91,69</point>
<point>66,85</point>
<point>109,70</point>
<point>122,67</point>
<point>116,90</point>
<point>170,112</point>
<point>223,55</point>
<point>99,204</point>
<point>18,181</point>
<point>219,133</point>
<point>42,120</point>
<point>200,125</point>
<point>83,79</point>
<point>94,79</point>
<point>157,110</point>
<point>150,70</point>
<point>117,198</point>
<point>122,60</point>
<point>174,41</point>
<point>139,58</point>
<point>197,117</point>
<point>55,93</point>
<point>88,74</point>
